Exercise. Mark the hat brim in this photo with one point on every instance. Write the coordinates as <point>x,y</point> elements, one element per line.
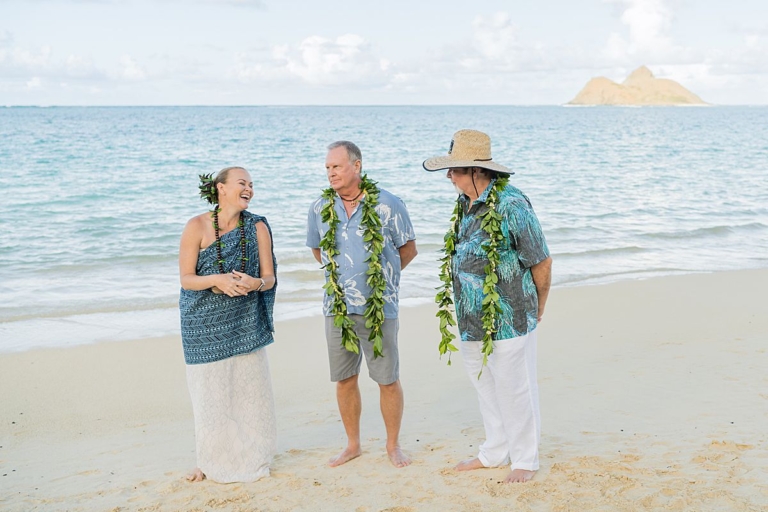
<point>440,163</point>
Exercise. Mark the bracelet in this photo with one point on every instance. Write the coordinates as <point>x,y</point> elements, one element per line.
<point>261,285</point>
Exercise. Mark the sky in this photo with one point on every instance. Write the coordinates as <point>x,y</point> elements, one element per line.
<point>398,52</point>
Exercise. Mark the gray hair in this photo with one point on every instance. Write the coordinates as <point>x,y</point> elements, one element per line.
<point>353,151</point>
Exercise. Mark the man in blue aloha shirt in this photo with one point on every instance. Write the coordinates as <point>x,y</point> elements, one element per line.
<point>507,388</point>
<point>343,165</point>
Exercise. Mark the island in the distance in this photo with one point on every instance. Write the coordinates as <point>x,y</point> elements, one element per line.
<point>640,88</point>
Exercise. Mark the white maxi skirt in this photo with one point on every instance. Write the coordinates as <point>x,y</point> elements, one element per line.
<point>234,410</point>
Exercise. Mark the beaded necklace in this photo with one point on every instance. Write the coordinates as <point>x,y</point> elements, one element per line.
<point>220,244</point>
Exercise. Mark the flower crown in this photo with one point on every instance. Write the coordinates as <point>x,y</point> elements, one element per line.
<point>208,188</point>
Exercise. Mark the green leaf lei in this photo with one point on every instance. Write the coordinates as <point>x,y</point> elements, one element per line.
<point>374,306</point>
<point>491,224</point>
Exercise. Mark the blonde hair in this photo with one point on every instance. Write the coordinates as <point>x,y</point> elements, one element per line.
<point>221,177</point>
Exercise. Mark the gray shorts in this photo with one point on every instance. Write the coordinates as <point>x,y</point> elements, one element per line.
<point>345,364</point>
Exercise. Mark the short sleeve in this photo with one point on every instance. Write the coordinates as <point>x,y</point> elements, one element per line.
<point>525,229</point>
<point>400,226</point>
<point>313,232</point>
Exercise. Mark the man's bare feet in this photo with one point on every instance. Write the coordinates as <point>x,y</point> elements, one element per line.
<point>469,464</point>
<point>398,458</point>
<point>347,455</point>
<point>195,475</point>
<point>519,476</point>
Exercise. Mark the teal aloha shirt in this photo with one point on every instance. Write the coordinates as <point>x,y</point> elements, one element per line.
<point>523,247</point>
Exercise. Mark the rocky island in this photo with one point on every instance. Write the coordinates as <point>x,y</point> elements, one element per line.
<point>640,88</point>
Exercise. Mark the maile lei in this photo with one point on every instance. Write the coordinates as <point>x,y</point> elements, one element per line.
<point>491,224</point>
<point>372,237</point>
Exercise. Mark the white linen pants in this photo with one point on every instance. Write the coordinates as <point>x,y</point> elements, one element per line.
<point>509,400</point>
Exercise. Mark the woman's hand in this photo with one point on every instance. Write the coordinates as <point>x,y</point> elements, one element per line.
<point>251,284</point>
<point>230,284</point>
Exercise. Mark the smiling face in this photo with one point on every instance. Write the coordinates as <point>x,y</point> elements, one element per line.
<point>237,189</point>
<point>343,174</point>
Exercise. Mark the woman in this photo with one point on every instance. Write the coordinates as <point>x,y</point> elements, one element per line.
<point>227,272</point>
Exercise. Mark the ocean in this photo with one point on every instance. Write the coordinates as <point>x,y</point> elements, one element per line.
<point>95,198</point>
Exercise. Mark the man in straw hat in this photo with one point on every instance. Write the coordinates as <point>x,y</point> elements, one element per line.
<point>363,236</point>
<point>499,268</point>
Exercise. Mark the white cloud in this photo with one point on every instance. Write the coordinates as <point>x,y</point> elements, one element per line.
<point>648,23</point>
<point>347,60</point>
<point>131,69</point>
<point>34,83</point>
<point>79,67</point>
<point>496,37</point>
<point>27,59</point>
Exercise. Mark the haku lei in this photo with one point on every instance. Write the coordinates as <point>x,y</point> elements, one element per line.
<point>491,224</point>
<point>372,237</point>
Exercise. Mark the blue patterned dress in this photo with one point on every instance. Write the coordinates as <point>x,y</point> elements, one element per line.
<point>217,326</point>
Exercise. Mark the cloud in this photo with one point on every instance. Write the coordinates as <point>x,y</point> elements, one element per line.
<point>76,66</point>
<point>495,37</point>
<point>131,69</point>
<point>21,63</point>
<point>648,23</point>
<point>15,61</point>
<point>347,60</point>
<point>490,63</point>
<point>34,83</point>
<point>710,72</point>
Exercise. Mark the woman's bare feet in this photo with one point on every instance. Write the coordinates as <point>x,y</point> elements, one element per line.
<point>347,455</point>
<point>519,476</point>
<point>398,458</point>
<point>469,464</point>
<point>196,476</point>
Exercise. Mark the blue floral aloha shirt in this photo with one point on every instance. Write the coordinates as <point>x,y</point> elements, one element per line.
<point>396,229</point>
<point>523,247</point>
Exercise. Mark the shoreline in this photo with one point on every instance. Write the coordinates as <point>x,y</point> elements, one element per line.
<point>652,395</point>
<point>132,324</point>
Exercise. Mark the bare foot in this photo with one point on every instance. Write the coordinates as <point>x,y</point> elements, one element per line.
<point>196,476</point>
<point>519,476</point>
<point>347,455</point>
<point>469,464</point>
<point>398,458</point>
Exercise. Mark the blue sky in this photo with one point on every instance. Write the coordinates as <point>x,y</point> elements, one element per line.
<point>264,52</point>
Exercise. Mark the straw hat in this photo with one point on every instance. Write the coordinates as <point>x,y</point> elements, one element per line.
<point>469,148</point>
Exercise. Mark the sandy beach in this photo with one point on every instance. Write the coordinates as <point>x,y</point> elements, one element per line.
<point>654,396</point>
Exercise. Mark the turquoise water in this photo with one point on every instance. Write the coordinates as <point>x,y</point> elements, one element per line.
<point>94,199</point>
